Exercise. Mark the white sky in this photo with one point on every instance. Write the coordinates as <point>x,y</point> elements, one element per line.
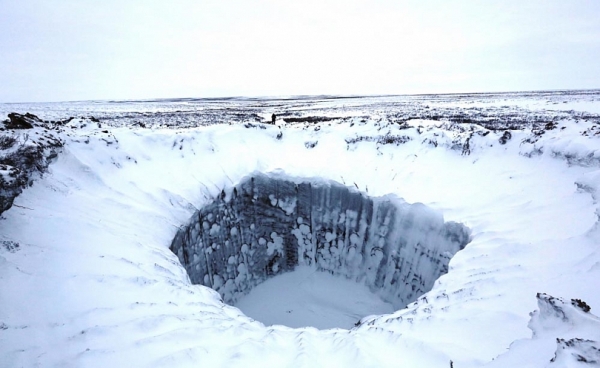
<point>56,50</point>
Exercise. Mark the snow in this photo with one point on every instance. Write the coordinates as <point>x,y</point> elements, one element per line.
<point>307,297</point>
<point>5,177</point>
<point>93,283</point>
<point>561,328</point>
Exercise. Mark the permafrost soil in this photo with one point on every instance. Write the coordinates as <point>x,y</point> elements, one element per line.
<point>269,224</point>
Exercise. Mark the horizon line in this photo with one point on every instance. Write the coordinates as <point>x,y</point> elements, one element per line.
<point>304,96</point>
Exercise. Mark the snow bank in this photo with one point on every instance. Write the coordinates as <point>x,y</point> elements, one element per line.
<point>565,334</point>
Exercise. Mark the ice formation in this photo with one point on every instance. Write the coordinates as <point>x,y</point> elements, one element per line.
<point>267,225</point>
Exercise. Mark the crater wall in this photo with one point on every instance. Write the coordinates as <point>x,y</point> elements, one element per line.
<point>268,224</point>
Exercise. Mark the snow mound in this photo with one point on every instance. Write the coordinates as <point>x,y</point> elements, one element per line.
<point>565,328</point>
<point>576,352</point>
<point>590,182</point>
<point>556,316</point>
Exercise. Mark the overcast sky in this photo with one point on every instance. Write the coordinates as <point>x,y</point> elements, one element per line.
<point>129,49</point>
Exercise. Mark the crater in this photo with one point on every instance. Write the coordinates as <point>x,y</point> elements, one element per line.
<point>279,227</point>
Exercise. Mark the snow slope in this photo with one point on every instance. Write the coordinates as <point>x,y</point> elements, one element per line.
<point>87,277</point>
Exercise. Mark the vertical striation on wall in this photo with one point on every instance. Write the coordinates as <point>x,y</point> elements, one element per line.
<point>268,224</point>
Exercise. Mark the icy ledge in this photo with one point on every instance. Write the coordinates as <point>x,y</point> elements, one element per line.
<point>268,224</point>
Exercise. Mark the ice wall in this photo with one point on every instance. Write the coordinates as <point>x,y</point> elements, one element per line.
<point>267,225</point>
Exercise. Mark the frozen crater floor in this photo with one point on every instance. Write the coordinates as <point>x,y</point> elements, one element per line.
<point>306,297</point>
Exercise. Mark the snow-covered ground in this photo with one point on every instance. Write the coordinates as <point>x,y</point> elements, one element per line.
<point>307,297</point>
<point>87,277</point>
